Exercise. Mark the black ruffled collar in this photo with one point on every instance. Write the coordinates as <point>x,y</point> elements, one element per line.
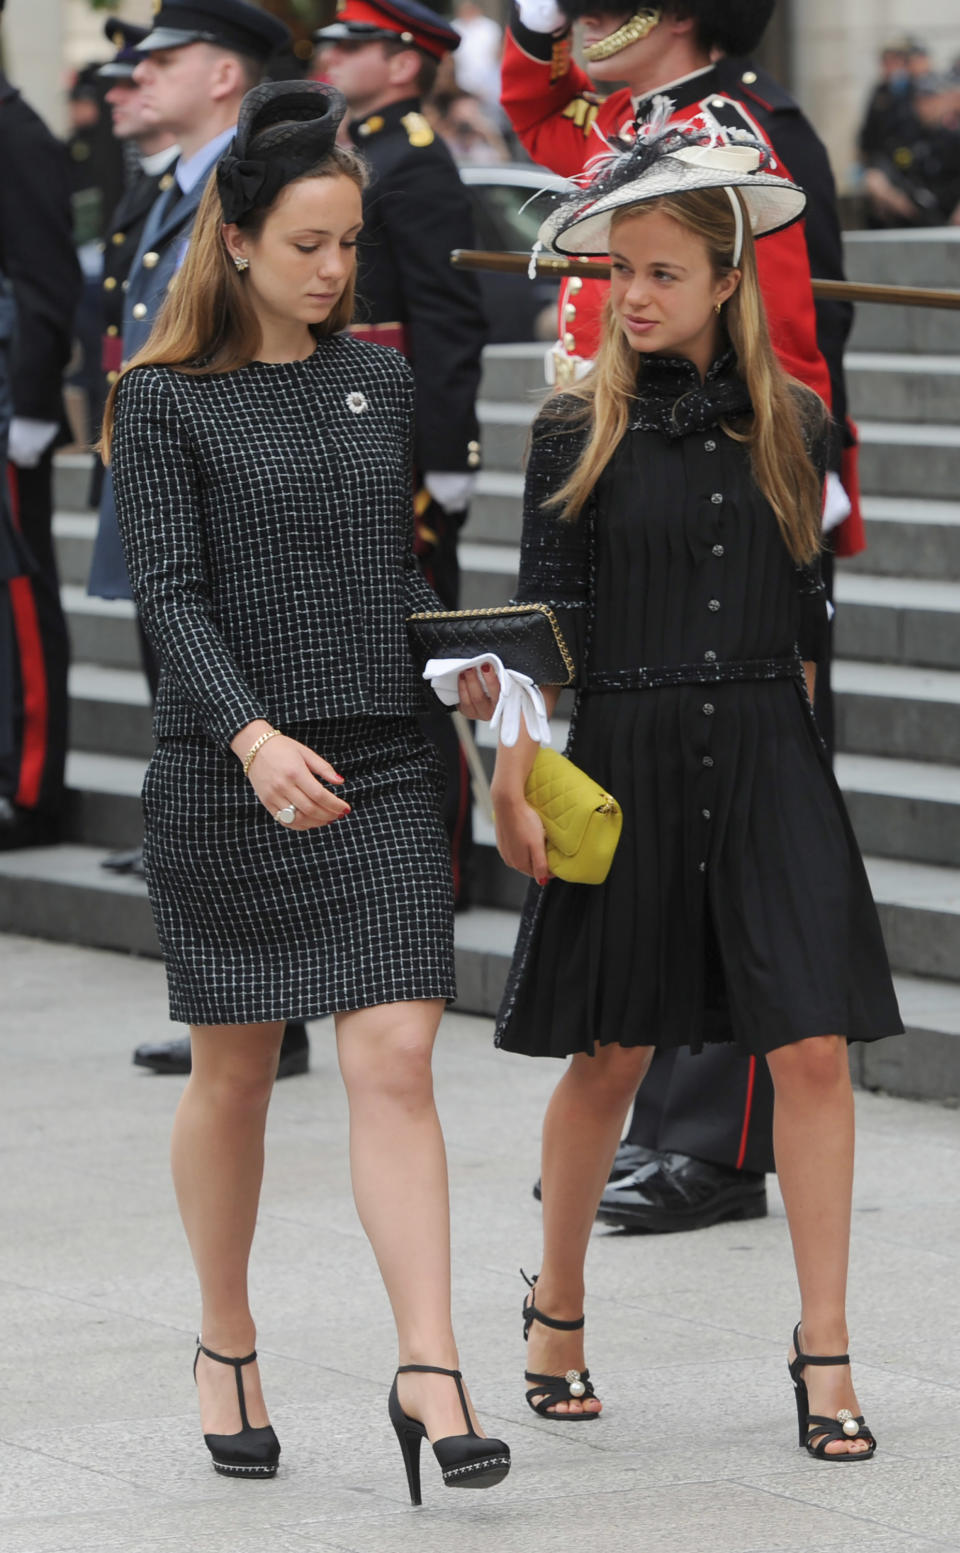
<point>672,400</point>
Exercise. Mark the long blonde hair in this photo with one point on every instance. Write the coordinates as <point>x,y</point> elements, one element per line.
<point>207,323</point>
<point>785,414</point>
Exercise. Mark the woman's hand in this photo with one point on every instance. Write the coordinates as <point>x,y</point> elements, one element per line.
<point>479,693</point>
<point>284,772</point>
<point>520,838</point>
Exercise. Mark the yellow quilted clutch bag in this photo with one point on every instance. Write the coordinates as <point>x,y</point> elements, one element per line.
<point>582,822</point>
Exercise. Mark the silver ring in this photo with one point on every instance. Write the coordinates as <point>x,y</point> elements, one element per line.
<point>287,815</point>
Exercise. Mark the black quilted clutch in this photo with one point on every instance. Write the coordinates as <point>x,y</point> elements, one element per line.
<point>525,637</point>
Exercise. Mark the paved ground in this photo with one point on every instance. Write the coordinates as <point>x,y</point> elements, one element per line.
<point>99,1441</point>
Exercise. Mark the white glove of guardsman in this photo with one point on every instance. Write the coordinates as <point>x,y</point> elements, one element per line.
<point>542,15</point>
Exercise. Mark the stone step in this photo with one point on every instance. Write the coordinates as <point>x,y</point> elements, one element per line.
<point>73,537</point>
<point>910,258</point>
<point>101,630</point>
<point>505,432</point>
<point>919,908</point>
<point>110,711</point>
<point>885,386</point>
<point>103,802</point>
<point>496,511</point>
<point>899,459</point>
<point>71,481</point>
<point>897,620</point>
<point>514,372</point>
<point>909,536</point>
<point>62,893</point>
<point>903,809</point>
<point>905,713</point>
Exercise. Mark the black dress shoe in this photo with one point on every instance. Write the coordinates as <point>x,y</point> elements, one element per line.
<point>174,1056</point>
<point>629,1157</point>
<point>25,827</point>
<point>128,862</point>
<point>673,1192</point>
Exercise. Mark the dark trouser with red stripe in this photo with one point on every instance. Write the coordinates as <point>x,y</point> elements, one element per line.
<point>35,669</point>
<point>716,1106</point>
<point>442,570</point>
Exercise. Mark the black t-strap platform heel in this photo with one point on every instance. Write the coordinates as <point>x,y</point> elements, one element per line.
<point>466,1460</point>
<point>574,1386</point>
<point>253,1453</point>
<point>816,1430</point>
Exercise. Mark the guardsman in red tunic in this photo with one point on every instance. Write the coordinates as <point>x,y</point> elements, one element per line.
<point>671,50</point>
<point>700,1139</point>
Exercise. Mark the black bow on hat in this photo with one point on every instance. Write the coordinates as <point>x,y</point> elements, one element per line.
<point>295,126</point>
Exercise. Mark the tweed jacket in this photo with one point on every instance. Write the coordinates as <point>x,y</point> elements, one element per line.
<point>267,522</point>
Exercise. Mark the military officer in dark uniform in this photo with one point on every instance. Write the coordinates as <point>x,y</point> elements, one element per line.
<point>38,257</point>
<point>383,55</point>
<point>156,150</point>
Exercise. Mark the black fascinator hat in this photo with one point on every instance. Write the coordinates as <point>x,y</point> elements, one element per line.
<point>284,129</point>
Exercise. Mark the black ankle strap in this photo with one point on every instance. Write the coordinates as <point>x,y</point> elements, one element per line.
<point>225,1358</point>
<point>236,1365</point>
<point>428,1369</point>
<point>810,1358</point>
<point>531,1313</point>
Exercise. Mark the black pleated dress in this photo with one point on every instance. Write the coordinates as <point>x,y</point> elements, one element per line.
<point>737,902</point>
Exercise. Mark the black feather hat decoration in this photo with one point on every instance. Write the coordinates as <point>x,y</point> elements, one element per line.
<point>670,157</point>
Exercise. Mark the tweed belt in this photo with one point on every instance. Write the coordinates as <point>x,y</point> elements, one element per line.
<point>658,678</point>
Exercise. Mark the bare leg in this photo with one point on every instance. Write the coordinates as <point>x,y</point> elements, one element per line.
<point>217,1158</point>
<point>399,1170</point>
<point>813,1137</point>
<point>581,1131</point>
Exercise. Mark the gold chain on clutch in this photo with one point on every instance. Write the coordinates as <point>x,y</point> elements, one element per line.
<point>510,609</point>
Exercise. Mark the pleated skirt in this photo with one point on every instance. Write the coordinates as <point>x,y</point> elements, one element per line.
<point>257,922</point>
<point>737,908</point>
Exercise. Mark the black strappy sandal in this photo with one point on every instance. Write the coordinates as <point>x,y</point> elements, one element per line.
<point>575,1386</point>
<point>252,1453</point>
<point>816,1427</point>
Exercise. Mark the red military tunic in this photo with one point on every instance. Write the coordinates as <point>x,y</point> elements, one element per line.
<point>563,125</point>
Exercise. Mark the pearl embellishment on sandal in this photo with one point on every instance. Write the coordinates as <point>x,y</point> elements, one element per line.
<point>574,1383</point>
<point>850,1425</point>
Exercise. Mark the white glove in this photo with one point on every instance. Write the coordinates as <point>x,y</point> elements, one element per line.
<point>519,696</point>
<point>29,440</point>
<point>450,490</point>
<point>542,15</point>
<point>836,503</point>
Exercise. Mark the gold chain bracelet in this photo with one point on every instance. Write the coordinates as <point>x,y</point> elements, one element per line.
<point>252,751</point>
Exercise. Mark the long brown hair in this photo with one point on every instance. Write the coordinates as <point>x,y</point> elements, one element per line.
<point>207,323</point>
<point>785,413</point>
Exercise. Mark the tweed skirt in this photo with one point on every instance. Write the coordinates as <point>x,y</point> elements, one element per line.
<point>259,923</point>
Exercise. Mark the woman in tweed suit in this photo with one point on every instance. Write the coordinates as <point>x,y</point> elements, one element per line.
<point>262,462</point>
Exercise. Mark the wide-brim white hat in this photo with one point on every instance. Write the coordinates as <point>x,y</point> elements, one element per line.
<point>581,225</point>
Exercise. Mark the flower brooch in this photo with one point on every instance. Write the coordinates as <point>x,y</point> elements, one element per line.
<point>356,402</point>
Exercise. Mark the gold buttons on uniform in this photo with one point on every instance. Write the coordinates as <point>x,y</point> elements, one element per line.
<point>140,310</point>
<point>150,259</point>
<point>568,341</point>
<point>112,331</point>
<point>749,77</point>
<point>569,311</point>
<point>112,377</point>
<point>371,126</point>
<point>110,284</point>
<point>473,454</point>
<point>166,182</point>
<point>574,284</point>
<point>118,239</point>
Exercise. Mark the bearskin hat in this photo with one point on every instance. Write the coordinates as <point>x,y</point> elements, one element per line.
<point>735,26</point>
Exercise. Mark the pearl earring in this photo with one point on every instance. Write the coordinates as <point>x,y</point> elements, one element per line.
<point>244,264</point>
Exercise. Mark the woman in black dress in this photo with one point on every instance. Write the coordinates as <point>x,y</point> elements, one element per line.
<point>672,508</point>
<point>295,857</point>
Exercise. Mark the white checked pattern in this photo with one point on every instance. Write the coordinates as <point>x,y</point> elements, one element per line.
<point>267,528</point>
